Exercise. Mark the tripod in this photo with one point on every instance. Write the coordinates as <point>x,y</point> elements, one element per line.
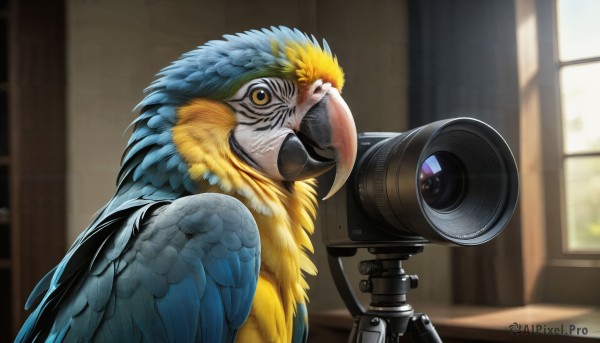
<point>389,315</point>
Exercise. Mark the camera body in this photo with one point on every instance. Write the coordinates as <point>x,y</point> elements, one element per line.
<point>452,181</point>
<point>345,221</point>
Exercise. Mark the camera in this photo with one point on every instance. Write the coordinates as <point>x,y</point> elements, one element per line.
<point>452,181</point>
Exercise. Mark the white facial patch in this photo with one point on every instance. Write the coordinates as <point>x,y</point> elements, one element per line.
<point>266,113</point>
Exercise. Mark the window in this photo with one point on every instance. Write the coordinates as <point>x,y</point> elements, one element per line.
<point>578,68</point>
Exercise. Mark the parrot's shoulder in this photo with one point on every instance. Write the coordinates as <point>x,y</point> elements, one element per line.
<point>176,270</point>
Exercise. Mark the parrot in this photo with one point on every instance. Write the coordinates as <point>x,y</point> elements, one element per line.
<point>207,236</point>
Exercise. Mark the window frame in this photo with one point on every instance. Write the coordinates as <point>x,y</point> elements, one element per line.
<point>564,273</point>
<point>554,155</point>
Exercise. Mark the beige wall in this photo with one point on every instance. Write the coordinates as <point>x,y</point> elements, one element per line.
<point>115,47</point>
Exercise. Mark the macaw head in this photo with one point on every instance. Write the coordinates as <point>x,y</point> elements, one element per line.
<point>260,103</point>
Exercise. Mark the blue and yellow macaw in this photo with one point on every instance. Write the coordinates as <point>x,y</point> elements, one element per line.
<point>207,235</point>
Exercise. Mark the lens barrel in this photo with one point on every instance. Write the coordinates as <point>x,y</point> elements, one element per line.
<point>451,181</point>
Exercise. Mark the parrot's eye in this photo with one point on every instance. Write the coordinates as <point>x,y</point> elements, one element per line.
<point>260,96</point>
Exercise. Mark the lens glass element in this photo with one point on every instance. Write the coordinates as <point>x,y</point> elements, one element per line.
<point>442,181</point>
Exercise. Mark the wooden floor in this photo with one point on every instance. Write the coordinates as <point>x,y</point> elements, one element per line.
<point>538,323</point>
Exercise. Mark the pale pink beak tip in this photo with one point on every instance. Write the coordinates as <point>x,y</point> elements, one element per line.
<point>344,141</point>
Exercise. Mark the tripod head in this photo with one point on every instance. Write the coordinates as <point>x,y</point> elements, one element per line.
<point>387,282</point>
<point>389,315</point>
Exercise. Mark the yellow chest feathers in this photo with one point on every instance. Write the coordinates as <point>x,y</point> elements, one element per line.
<point>285,218</point>
<point>281,286</point>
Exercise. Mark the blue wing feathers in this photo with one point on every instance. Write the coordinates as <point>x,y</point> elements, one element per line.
<point>141,304</point>
<point>180,311</point>
<point>234,264</point>
<point>159,122</point>
<point>165,260</point>
<point>212,308</point>
<point>67,273</point>
<point>231,240</point>
<point>196,76</point>
<point>300,329</point>
<point>177,271</point>
<point>99,288</point>
<point>40,289</point>
<point>219,270</point>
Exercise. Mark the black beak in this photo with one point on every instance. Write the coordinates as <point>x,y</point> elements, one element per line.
<point>328,125</point>
<point>298,159</point>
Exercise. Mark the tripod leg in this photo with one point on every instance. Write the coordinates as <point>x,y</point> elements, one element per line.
<point>421,329</point>
<point>368,329</point>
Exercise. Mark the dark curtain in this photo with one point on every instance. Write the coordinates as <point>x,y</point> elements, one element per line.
<point>463,62</point>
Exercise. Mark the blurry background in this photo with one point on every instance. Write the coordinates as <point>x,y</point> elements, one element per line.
<point>74,70</point>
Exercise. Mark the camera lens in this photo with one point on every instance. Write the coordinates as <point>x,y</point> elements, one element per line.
<point>451,181</point>
<point>441,181</point>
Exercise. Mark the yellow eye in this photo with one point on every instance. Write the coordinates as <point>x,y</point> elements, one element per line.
<point>260,96</point>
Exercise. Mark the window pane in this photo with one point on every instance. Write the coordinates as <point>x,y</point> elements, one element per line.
<point>580,87</point>
<point>582,186</point>
<point>578,29</point>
